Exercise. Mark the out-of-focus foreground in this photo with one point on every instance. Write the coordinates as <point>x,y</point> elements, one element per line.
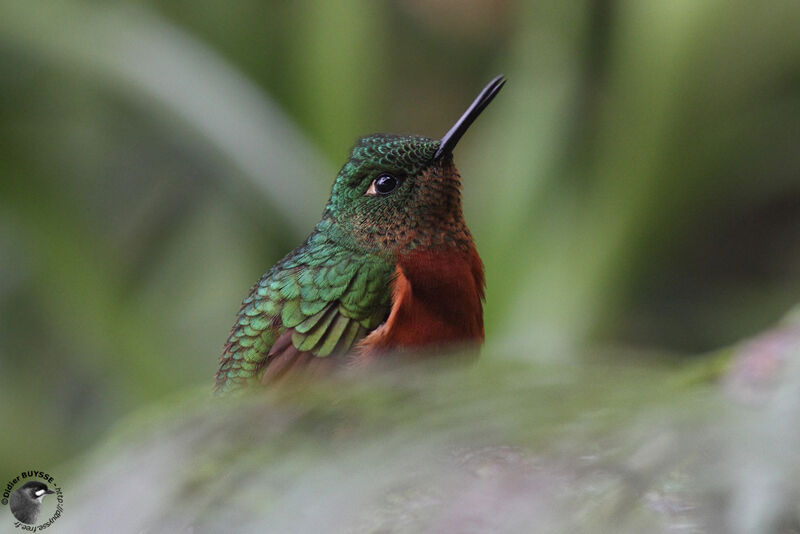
<point>634,185</point>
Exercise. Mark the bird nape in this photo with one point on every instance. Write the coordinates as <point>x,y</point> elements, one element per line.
<point>390,266</point>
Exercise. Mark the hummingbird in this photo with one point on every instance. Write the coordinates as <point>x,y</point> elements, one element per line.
<point>390,266</point>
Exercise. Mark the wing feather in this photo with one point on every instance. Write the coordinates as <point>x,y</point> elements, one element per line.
<point>319,301</point>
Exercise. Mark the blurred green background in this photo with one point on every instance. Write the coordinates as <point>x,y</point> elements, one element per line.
<point>635,184</point>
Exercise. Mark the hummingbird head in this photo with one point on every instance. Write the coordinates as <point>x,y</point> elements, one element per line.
<point>399,193</point>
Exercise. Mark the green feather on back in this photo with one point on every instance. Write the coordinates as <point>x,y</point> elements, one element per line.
<point>328,295</point>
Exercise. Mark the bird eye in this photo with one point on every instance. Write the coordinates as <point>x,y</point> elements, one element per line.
<point>383,185</point>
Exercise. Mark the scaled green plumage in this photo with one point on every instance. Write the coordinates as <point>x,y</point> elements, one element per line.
<point>329,295</point>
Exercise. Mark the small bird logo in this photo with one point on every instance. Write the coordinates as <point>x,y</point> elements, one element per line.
<point>391,265</point>
<point>26,501</point>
